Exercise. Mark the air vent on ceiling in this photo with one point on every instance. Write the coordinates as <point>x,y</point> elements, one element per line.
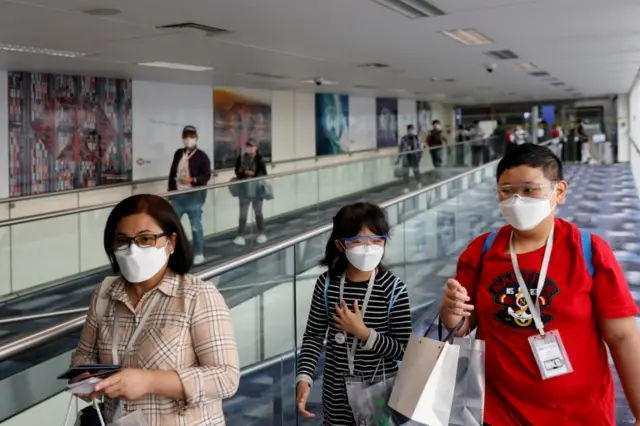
<point>449,80</point>
<point>502,54</point>
<point>266,75</point>
<point>412,9</point>
<point>539,74</point>
<point>558,83</point>
<point>191,26</point>
<point>374,65</point>
<point>364,86</point>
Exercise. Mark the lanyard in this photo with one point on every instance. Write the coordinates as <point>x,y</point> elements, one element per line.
<point>533,308</point>
<point>351,354</point>
<point>136,333</point>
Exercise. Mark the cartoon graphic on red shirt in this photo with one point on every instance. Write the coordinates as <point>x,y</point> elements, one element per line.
<point>515,312</point>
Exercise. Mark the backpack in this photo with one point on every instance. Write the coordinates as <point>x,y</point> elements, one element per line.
<point>587,252</point>
<point>394,296</point>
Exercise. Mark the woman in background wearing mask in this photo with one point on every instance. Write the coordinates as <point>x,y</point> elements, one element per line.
<point>250,165</point>
<point>364,308</point>
<point>190,168</point>
<point>545,297</point>
<point>170,331</point>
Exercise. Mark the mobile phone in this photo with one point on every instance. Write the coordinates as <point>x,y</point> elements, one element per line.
<point>93,370</point>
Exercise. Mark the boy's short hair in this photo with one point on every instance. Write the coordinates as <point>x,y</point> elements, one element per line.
<point>532,155</point>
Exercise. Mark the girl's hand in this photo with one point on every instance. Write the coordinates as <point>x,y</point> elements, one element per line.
<point>351,322</point>
<point>304,389</point>
<point>128,384</point>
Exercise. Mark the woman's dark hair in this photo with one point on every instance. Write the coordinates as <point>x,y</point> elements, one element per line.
<point>162,212</point>
<point>349,221</point>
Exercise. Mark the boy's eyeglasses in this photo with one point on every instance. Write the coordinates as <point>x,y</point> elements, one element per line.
<point>533,190</point>
<point>375,240</point>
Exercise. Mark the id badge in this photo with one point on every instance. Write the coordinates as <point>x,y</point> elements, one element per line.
<point>550,355</point>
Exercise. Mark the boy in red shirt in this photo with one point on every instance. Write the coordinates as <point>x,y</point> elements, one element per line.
<point>545,297</point>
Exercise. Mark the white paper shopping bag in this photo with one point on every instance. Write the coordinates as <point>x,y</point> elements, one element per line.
<point>425,384</point>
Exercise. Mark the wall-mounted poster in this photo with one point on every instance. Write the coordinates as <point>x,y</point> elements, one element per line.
<point>423,112</point>
<point>67,132</point>
<point>332,123</point>
<point>240,115</point>
<point>387,122</point>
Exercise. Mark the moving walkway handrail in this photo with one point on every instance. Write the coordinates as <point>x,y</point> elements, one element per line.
<point>214,172</point>
<point>60,213</point>
<point>48,334</point>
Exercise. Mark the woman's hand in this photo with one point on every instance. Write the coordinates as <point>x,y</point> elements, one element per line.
<point>249,173</point>
<point>454,304</point>
<point>89,396</point>
<point>129,384</point>
<point>351,322</point>
<point>185,180</point>
<point>304,389</point>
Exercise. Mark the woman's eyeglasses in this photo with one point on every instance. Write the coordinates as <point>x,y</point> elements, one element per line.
<point>143,241</point>
<point>375,240</point>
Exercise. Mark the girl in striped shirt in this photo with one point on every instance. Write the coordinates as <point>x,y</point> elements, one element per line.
<point>359,307</point>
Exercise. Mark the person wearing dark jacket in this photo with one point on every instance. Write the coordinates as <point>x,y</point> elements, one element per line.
<point>250,165</point>
<point>191,168</point>
<point>435,142</point>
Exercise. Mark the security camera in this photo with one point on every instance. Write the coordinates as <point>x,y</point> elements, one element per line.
<point>319,81</point>
<point>490,68</point>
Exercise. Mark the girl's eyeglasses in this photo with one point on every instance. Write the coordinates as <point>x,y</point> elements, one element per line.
<point>375,240</point>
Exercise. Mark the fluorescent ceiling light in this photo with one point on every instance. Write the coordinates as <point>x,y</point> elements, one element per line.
<point>40,51</point>
<point>526,66</point>
<point>412,9</point>
<point>175,66</point>
<point>470,37</point>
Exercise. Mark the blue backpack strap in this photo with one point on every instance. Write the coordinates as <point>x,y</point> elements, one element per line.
<point>327,280</point>
<point>488,242</point>
<point>587,251</point>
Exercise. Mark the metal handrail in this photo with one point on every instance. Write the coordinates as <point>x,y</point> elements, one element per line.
<point>273,164</point>
<point>60,213</point>
<point>43,336</point>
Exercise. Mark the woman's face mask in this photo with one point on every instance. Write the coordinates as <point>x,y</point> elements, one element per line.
<point>189,142</point>
<point>140,264</point>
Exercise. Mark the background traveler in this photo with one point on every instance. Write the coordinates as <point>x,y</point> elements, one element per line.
<point>410,150</point>
<point>170,331</point>
<point>435,142</point>
<point>250,165</point>
<point>190,168</point>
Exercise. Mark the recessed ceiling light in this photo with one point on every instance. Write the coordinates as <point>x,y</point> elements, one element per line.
<point>176,66</point>
<point>539,74</point>
<point>468,37</point>
<point>502,55</point>
<point>320,82</point>
<point>412,9</point>
<point>526,66</point>
<point>375,65</point>
<point>558,83</point>
<point>40,51</point>
<point>102,12</point>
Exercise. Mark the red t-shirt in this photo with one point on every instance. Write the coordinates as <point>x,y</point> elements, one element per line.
<point>572,303</point>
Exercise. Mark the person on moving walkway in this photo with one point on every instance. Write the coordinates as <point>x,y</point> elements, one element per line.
<point>361,308</point>
<point>548,299</point>
<point>170,331</point>
<point>250,165</point>
<point>435,141</point>
<point>410,153</point>
<point>190,168</point>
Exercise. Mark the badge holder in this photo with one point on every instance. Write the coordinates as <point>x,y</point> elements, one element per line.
<point>550,355</point>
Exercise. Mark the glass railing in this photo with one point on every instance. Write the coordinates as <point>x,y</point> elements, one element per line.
<point>269,293</point>
<point>59,247</point>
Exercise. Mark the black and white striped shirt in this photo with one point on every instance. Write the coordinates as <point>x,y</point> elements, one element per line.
<point>390,332</point>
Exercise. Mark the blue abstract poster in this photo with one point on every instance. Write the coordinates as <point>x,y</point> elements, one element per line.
<point>332,123</point>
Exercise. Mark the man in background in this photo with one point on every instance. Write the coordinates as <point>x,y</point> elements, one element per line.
<point>435,142</point>
<point>410,154</point>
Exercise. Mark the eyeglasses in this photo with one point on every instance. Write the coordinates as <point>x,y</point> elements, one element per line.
<point>375,240</point>
<point>143,241</point>
<point>533,190</point>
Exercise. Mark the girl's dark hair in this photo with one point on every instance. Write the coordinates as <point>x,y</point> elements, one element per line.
<point>162,212</point>
<point>349,221</point>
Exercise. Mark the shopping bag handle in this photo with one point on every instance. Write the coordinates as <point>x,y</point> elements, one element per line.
<point>452,332</point>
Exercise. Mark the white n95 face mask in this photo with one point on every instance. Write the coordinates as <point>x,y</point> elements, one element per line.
<point>189,142</point>
<point>139,264</point>
<point>525,213</point>
<point>366,257</point>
